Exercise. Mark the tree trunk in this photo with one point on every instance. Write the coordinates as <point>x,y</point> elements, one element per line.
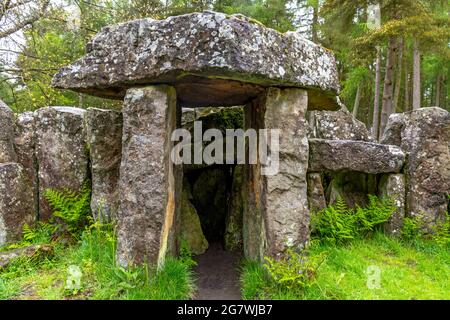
<point>398,78</point>
<point>376,100</point>
<point>416,76</point>
<point>407,99</point>
<point>388,90</point>
<point>357,100</point>
<point>437,101</point>
<point>315,22</point>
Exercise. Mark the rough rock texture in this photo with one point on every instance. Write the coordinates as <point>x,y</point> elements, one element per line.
<point>352,187</point>
<point>316,194</point>
<point>191,229</point>
<point>276,213</point>
<point>346,155</point>
<point>393,186</point>
<point>104,138</point>
<point>149,184</point>
<point>7,153</point>
<point>424,135</point>
<point>60,152</point>
<point>24,145</point>
<point>233,221</point>
<point>211,58</point>
<point>337,125</point>
<point>16,204</point>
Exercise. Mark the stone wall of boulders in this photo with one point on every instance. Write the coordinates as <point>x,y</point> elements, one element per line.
<point>61,147</point>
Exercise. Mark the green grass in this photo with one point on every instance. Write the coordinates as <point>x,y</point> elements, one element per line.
<point>45,278</point>
<point>419,270</point>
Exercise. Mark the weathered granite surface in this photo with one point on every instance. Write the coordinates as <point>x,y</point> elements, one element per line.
<point>61,152</point>
<point>424,135</point>
<point>7,153</point>
<point>104,139</point>
<point>149,184</point>
<point>347,155</point>
<point>211,58</point>
<point>316,193</point>
<point>16,202</point>
<point>393,187</point>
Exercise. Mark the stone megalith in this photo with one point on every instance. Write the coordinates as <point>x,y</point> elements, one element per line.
<point>61,152</point>
<point>24,145</point>
<point>337,125</point>
<point>16,204</point>
<point>212,59</point>
<point>7,153</point>
<point>150,184</point>
<point>393,187</point>
<point>316,194</point>
<point>104,140</point>
<point>424,135</point>
<point>206,59</point>
<point>276,214</point>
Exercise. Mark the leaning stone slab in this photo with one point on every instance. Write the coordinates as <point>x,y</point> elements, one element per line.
<point>346,155</point>
<point>7,153</point>
<point>424,135</point>
<point>149,184</point>
<point>104,139</point>
<point>393,187</point>
<point>16,202</point>
<point>61,152</point>
<point>211,58</point>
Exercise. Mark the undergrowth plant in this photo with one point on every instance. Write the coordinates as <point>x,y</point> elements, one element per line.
<point>338,223</point>
<point>71,209</point>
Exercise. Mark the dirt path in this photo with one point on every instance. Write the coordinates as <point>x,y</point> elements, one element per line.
<point>218,277</point>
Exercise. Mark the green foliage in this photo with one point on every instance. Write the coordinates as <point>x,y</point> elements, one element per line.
<point>295,270</point>
<point>338,224</point>
<point>408,271</point>
<point>411,229</point>
<point>71,208</point>
<point>441,232</point>
<point>40,232</point>
<point>186,255</point>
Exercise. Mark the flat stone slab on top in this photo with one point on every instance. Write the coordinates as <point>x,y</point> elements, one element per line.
<point>212,59</point>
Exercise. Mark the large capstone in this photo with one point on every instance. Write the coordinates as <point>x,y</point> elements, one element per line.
<point>16,202</point>
<point>337,125</point>
<point>424,135</point>
<point>61,152</point>
<point>276,214</point>
<point>210,58</point>
<point>7,153</point>
<point>104,138</point>
<point>149,184</point>
<point>346,155</point>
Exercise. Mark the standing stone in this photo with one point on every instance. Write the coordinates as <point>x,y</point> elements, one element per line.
<point>337,125</point>
<point>316,194</point>
<point>24,145</point>
<point>16,205</point>
<point>191,229</point>
<point>149,183</point>
<point>276,214</point>
<point>60,152</point>
<point>233,221</point>
<point>104,138</point>
<point>424,135</point>
<point>7,153</point>
<point>392,186</point>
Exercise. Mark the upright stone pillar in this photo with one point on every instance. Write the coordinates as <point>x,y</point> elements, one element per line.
<point>149,183</point>
<point>393,186</point>
<point>7,153</point>
<point>276,214</point>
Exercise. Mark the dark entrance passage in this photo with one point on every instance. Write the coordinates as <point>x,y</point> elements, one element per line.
<point>218,276</point>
